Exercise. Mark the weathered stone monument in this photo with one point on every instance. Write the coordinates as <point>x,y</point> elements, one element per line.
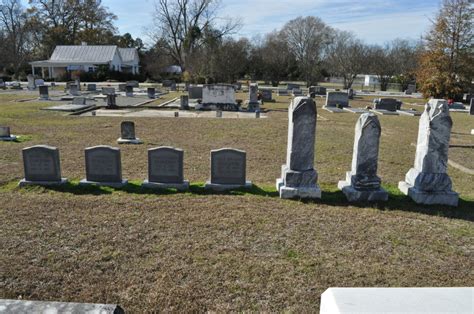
<point>228,169</point>
<point>74,90</point>
<point>319,90</point>
<point>173,87</point>
<point>195,92</point>
<point>122,87</point>
<point>129,91</point>
<point>220,94</point>
<point>267,95</point>
<point>127,133</point>
<point>292,86</point>
<point>350,93</point>
<point>336,99</point>
<point>218,113</point>
<point>165,169</point>
<point>298,176</point>
<point>362,182</point>
<point>389,104</point>
<point>253,98</point>
<point>103,167</point>
<point>108,90</point>
<point>111,101</point>
<point>282,92</point>
<point>31,82</point>
<point>91,87</point>
<point>427,182</point>
<point>79,101</point>
<point>184,102</point>
<point>297,92</point>
<point>42,166</point>
<point>151,92</point>
<point>5,134</point>
<point>43,92</point>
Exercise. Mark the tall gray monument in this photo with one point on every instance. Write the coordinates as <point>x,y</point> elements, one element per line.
<point>42,166</point>
<point>253,98</point>
<point>362,182</point>
<point>184,102</point>
<point>427,182</point>
<point>298,176</point>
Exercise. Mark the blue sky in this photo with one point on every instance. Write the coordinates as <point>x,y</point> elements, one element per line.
<point>374,21</point>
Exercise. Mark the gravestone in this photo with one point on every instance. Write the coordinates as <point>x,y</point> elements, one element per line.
<point>173,87</point>
<point>151,92</point>
<point>238,86</point>
<point>184,102</point>
<point>362,182</point>
<point>218,94</point>
<point>79,101</point>
<point>48,307</point>
<point>91,87</point>
<point>195,92</point>
<point>129,91</point>
<point>218,113</point>
<point>319,90</point>
<point>228,168</point>
<point>5,134</point>
<point>257,114</point>
<point>43,92</point>
<point>253,98</point>
<point>111,101</point>
<point>127,133</point>
<point>31,82</point>
<point>297,92</point>
<point>16,85</point>
<point>108,90</point>
<point>39,82</point>
<point>411,89</point>
<point>73,90</point>
<point>312,89</point>
<point>389,104</point>
<point>133,84</point>
<point>167,83</point>
<point>299,178</point>
<point>336,99</point>
<point>282,92</point>
<point>292,86</point>
<point>427,182</point>
<point>103,167</point>
<point>78,83</point>
<point>267,95</point>
<point>165,169</point>
<point>350,93</point>
<point>42,166</point>
<point>471,108</point>
<point>122,87</point>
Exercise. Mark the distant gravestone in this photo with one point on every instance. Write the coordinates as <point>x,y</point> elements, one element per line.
<point>282,92</point>
<point>103,166</point>
<point>42,166</point>
<point>298,176</point>
<point>184,102</point>
<point>350,93</point>
<point>428,182</point>
<point>471,108</point>
<point>133,84</point>
<point>297,92</point>
<point>267,95</point>
<point>218,113</point>
<point>173,87</point>
<point>253,98</point>
<point>108,90</point>
<point>43,92</point>
<point>165,169</point>
<point>228,169</point>
<point>78,83</point>
<point>218,94</point>
<point>91,87</point>
<point>127,133</point>
<point>31,82</point>
<point>129,91</point>
<point>122,87</point>
<point>292,86</point>
<point>195,92</point>
<point>334,99</point>
<point>151,92</point>
<point>5,134</point>
<point>411,89</point>
<point>39,82</point>
<point>74,90</point>
<point>319,90</point>
<point>389,104</point>
<point>312,89</point>
<point>362,183</point>
<point>167,83</point>
<point>79,101</point>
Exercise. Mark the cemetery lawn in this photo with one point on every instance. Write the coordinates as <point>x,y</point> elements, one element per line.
<point>237,251</point>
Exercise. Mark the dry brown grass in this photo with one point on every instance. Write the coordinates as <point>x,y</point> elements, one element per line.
<point>207,252</point>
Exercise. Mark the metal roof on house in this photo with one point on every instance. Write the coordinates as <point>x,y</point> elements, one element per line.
<point>127,54</point>
<point>83,54</point>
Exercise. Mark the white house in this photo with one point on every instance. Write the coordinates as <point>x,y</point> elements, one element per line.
<point>370,80</point>
<point>88,58</point>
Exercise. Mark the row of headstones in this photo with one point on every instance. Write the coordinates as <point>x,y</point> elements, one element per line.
<point>426,183</point>
<point>165,168</point>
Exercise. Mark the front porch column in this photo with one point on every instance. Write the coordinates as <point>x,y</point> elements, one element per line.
<point>33,70</point>
<point>42,72</point>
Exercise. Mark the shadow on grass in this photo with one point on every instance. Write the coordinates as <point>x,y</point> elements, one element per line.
<point>330,196</point>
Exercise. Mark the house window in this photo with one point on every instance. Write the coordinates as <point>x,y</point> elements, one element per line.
<point>91,69</point>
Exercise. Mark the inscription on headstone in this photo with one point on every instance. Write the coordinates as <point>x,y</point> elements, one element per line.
<point>334,99</point>
<point>228,169</point>
<point>103,166</point>
<point>41,165</point>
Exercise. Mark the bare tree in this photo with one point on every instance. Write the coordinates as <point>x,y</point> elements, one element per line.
<point>181,24</point>
<point>307,39</point>
<point>382,63</point>
<point>346,57</point>
<point>14,26</point>
<point>276,58</point>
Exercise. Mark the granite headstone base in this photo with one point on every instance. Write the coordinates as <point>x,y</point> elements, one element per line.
<point>10,138</point>
<point>24,182</point>
<point>129,141</point>
<point>412,113</point>
<point>121,184</point>
<point>384,112</point>
<point>355,195</point>
<point>449,198</point>
<point>298,184</point>
<point>155,185</point>
<point>226,187</point>
<point>25,306</point>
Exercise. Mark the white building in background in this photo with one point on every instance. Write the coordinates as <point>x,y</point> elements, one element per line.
<point>88,58</point>
<point>370,80</point>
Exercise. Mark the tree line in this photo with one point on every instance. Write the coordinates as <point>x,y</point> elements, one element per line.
<point>194,36</point>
